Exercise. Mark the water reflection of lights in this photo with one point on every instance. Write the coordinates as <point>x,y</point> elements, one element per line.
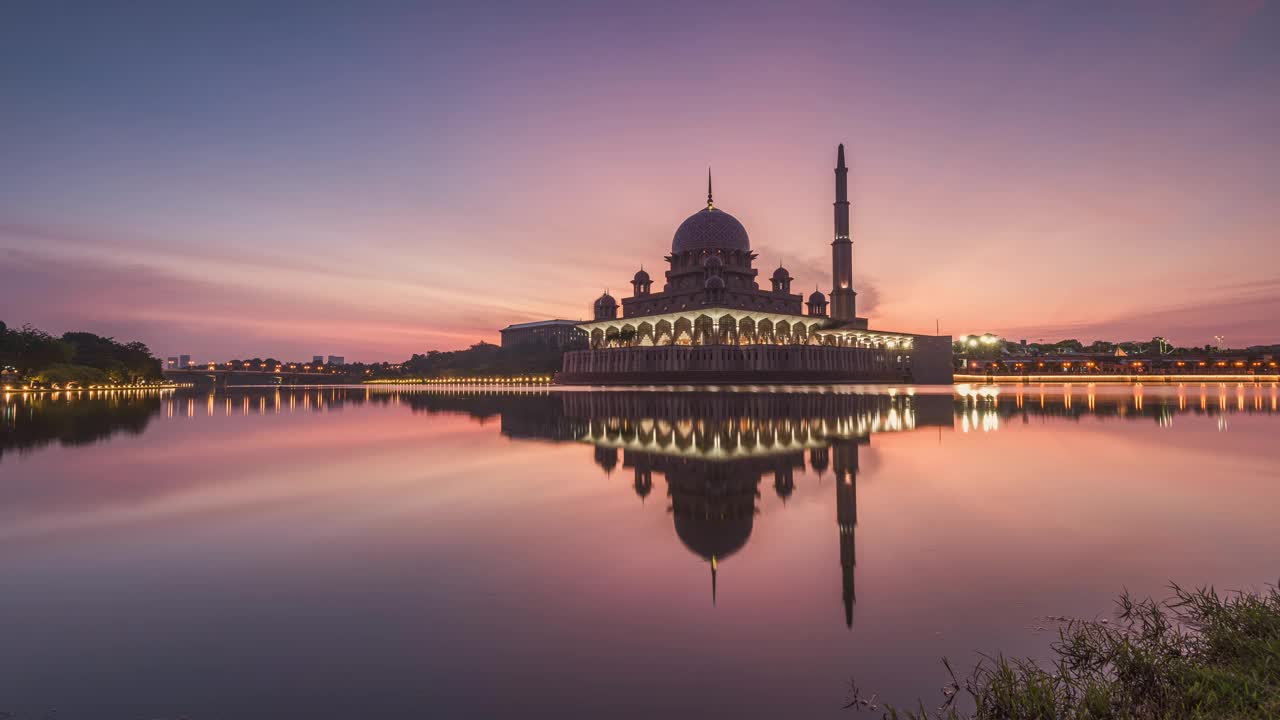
<point>965,390</point>
<point>1158,402</point>
<point>742,436</point>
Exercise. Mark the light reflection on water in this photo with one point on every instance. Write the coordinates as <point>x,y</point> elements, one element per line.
<point>463,552</point>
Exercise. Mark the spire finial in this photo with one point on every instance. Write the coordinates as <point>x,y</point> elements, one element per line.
<point>713,579</point>
<point>840,157</point>
<point>710,206</point>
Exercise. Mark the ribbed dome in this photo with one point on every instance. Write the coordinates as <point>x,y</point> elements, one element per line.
<point>817,297</point>
<point>781,274</point>
<point>641,277</point>
<point>606,300</point>
<point>715,282</point>
<point>710,229</point>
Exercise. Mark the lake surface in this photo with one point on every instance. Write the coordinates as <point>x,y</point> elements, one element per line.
<point>353,552</point>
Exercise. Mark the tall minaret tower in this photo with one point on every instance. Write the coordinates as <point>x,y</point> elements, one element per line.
<point>843,297</point>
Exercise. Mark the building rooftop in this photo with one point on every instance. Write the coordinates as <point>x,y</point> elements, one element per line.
<point>540,323</point>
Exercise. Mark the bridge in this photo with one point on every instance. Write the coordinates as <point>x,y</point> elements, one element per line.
<point>223,377</point>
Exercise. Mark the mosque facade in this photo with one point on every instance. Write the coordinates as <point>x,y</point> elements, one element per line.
<point>712,321</point>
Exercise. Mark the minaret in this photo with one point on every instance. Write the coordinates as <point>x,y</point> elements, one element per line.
<point>842,294</point>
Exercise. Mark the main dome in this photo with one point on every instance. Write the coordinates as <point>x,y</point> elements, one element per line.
<point>710,229</point>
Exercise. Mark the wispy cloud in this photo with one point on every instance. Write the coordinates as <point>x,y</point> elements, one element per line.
<point>213,320</point>
<point>1245,313</point>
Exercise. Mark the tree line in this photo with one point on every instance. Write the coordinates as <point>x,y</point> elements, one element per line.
<point>485,359</point>
<point>75,357</point>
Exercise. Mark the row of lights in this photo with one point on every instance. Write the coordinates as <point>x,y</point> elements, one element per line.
<point>272,368</point>
<point>1140,363</point>
<point>70,386</point>
<point>517,380</point>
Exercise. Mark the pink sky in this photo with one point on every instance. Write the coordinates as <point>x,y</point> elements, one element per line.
<point>406,183</point>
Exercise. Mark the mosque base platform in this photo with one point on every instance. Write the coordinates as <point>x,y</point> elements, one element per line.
<point>928,362</point>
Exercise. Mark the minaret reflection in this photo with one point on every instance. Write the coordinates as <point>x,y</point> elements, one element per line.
<point>846,461</point>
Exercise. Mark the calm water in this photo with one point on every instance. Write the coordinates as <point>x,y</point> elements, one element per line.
<point>401,553</point>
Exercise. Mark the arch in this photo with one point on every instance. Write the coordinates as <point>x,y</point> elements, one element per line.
<point>662,334</point>
<point>627,336</point>
<point>644,335</point>
<point>683,332</point>
<point>747,331</point>
<point>799,334</point>
<point>727,330</point>
<point>704,330</point>
<point>764,331</point>
<point>611,336</point>
<point>597,339</point>
<point>782,332</point>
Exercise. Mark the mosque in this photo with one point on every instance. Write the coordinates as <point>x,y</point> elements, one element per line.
<point>712,322</point>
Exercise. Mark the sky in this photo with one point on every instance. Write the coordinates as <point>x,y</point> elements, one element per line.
<point>378,179</point>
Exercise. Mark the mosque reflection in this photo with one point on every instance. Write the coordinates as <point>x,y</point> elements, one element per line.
<point>711,450</point>
<point>715,449</point>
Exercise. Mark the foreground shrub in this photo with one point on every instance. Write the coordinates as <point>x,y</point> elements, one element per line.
<point>1195,655</point>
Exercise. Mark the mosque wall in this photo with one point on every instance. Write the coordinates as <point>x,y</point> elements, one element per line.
<point>757,364</point>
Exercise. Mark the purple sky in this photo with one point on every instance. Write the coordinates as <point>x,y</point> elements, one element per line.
<point>378,180</point>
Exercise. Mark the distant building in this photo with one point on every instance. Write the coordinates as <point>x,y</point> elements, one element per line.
<point>337,360</point>
<point>171,363</point>
<point>551,334</point>
<point>317,359</point>
<point>184,361</point>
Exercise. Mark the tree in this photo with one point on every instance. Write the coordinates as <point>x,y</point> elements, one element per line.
<point>38,349</point>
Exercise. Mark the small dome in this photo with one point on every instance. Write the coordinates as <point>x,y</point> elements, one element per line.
<point>606,300</point>
<point>781,274</point>
<point>713,262</point>
<point>715,282</point>
<point>641,277</point>
<point>818,297</point>
<point>710,229</point>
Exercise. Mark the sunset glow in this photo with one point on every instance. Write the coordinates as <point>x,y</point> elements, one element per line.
<point>241,181</point>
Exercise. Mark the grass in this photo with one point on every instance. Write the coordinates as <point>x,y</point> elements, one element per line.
<point>1195,655</point>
